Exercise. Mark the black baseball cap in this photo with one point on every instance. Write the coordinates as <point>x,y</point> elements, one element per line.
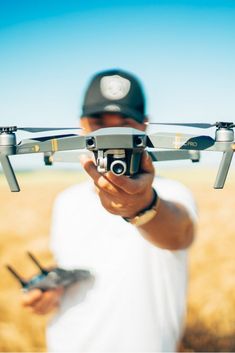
<point>114,91</point>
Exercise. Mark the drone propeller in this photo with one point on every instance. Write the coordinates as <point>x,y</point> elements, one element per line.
<point>51,137</point>
<point>218,124</point>
<point>34,129</point>
<point>41,129</point>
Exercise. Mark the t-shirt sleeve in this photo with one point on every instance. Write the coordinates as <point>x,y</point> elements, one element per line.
<point>172,190</point>
<point>60,231</point>
<point>56,230</point>
<point>65,226</point>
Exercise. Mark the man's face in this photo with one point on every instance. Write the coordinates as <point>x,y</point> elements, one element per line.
<point>90,124</point>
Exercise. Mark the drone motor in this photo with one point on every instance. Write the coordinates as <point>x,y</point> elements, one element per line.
<point>7,142</point>
<point>224,134</point>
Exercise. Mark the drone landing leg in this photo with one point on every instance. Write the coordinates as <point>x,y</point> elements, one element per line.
<point>9,173</point>
<point>223,170</point>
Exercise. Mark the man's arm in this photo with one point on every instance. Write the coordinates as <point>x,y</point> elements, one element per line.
<point>172,228</point>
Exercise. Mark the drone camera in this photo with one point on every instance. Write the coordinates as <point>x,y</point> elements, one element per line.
<point>118,167</point>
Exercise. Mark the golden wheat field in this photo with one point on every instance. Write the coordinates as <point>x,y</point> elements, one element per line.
<point>25,225</point>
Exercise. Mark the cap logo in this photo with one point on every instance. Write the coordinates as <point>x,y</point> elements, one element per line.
<point>112,108</point>
<point>114,87</point>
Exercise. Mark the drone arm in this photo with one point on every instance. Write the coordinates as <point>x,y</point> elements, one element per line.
<point>9,173</point>
<point>180,141</point>
<point>223,169</point>
<point>51,144</point>
<point>69,157</point>
<point>169,155</point>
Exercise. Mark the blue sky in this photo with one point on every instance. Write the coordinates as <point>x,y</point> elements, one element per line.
<point>183,51</point>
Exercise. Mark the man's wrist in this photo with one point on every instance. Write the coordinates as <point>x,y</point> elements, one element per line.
<point>146,214</point>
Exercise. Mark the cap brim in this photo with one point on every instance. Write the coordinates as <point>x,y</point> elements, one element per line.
<point>113,108</point>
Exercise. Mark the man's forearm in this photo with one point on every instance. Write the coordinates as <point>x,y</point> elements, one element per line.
<point>171,228</point>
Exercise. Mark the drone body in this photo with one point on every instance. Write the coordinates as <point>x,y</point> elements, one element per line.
<point>119,149</point>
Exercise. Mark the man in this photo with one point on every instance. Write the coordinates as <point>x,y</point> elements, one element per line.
<point>132,233</point>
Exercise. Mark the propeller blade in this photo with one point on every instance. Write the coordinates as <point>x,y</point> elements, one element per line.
<point>198,125</point>
<point>179,141</point>
<point>218,124</point>
<point>41,129</point>
<point>46,138</point>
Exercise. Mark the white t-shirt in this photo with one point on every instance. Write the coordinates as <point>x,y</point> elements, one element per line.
<point>137,301</point>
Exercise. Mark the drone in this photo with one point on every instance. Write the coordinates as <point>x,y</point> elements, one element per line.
<point>50,278</point>
<point>119,149</point>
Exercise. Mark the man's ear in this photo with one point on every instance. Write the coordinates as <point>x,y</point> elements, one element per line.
<point>140,126</point>
<point>83,123</point>
<point>145,122</point>
<point>146,119</point>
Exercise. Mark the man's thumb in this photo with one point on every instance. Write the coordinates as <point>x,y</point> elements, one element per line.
<point>146,163</point>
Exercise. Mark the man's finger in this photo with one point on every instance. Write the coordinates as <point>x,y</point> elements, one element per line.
<point>88,164</point>
<point>137,182</point>
<point>146,163</point>
<point>112,183</point>
<point>47,301</point>
<point>32,297</point>
<point>99,180</point>
<point>131,185</point>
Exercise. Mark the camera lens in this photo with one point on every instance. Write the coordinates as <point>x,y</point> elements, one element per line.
<point>118,167</point>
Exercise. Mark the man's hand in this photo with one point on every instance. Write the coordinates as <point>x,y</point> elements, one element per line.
<point>172,228</point>
<point>42,303</point>
<point>122,195</point>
